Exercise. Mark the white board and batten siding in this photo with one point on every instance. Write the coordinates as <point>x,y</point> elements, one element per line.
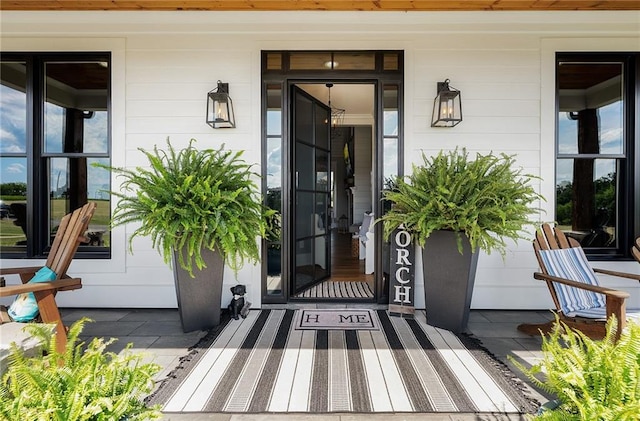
<point>163,64</point>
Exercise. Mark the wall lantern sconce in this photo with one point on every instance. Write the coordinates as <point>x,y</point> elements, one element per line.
<point>447,109</point>
<point>220,108</point>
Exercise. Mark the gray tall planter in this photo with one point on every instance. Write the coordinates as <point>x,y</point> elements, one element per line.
<point>199,297</point>
<point>448,280</point>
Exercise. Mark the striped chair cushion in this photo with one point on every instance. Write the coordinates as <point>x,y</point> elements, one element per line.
<point>572,264</point>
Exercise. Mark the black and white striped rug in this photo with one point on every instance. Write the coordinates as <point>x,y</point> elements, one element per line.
<point>262,364</point>
<point>338,289</point>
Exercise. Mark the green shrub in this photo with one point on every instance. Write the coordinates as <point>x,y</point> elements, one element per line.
<point>485,198</point>
<point>592,379</point>
<point>81,384</point>
<point>190,200</point>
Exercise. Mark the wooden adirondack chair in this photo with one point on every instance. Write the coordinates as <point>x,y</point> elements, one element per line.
<point>574,286</point>
<point>68,237</point>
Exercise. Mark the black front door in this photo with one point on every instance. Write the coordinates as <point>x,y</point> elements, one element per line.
<point>311,178</point>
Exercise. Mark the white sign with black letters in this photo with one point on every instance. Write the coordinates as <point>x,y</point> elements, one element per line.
<point>402,274</point>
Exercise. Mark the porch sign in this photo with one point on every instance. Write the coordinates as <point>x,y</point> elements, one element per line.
<point>402,282</point>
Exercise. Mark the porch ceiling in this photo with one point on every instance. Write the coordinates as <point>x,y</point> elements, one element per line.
<point>343,5</point>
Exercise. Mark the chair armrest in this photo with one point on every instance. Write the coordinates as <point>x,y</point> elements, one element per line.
<point>61,284</point>
<point>602,290</point>
<point>618,274</point>
<point>18,271</point>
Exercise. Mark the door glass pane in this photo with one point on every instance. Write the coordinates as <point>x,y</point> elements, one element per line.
<point>13,107</point>
<point>274,109</point>
<point>274,187</point>
<point>391,61</point>
<point>304,167</point>
<point>310,61</point>
<point>390,169</point>
<point>322,127</point>
<point>13,202</point>
<point>390,102</point>
<point>304,126</point>
<point>590,119</point>
<point>274,173</point>
<point>587,202</point>
<point>322,170</point>
<point>274,61</point>
<point>354,61</point>
<point>274,123</point>
<point>390,131</point>
<point>305,215</point>
<point>76,117</point>
<point>305,273</point>
<point>321,264</point>
<point>322,232</point>
<point>320,224</point>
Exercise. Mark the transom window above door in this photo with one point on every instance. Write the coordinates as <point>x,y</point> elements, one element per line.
<point>350,61</point>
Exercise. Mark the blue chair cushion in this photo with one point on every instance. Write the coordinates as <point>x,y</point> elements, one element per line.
<point>572,264</point>
<point>25,307</point>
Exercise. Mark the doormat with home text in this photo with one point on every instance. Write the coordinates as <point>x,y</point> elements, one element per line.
<point>336,319</point>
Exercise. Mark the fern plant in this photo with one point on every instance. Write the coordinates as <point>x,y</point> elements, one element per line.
<point>81,384</point>
<point>486,198</point>
<point>592,379</point>
<point>190,200</point>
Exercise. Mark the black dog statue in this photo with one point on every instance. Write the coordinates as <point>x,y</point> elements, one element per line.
<point>238,306</point>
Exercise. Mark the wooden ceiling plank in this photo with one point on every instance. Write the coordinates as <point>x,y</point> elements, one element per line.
<point>337,5</point>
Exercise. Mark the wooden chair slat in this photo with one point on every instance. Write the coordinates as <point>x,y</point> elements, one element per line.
<point>57,241</point>
<point>541,241</point>
<point>552,291</point>
<point>563,243</point>
<point>73,232</point>
<point>61,254</point>
<point>550,236</point>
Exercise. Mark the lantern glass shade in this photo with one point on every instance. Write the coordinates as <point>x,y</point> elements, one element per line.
<point>447,108</point>
<point>220,108</point>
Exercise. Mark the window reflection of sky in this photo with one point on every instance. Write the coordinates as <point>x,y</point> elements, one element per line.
<point>610,139</point>
<point>95,130</point>
<point>609,132</point>
<point>564,169</point>
<point>390,168</point>
<point>390,158</point>
<point>53,127</point>
<point>13,140</point>
<point>14,170</point>
<point>274,124</point>
<point>274,149</point>
<point>13,104</point>
<point>390,123</point>
<point>274,163</point>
